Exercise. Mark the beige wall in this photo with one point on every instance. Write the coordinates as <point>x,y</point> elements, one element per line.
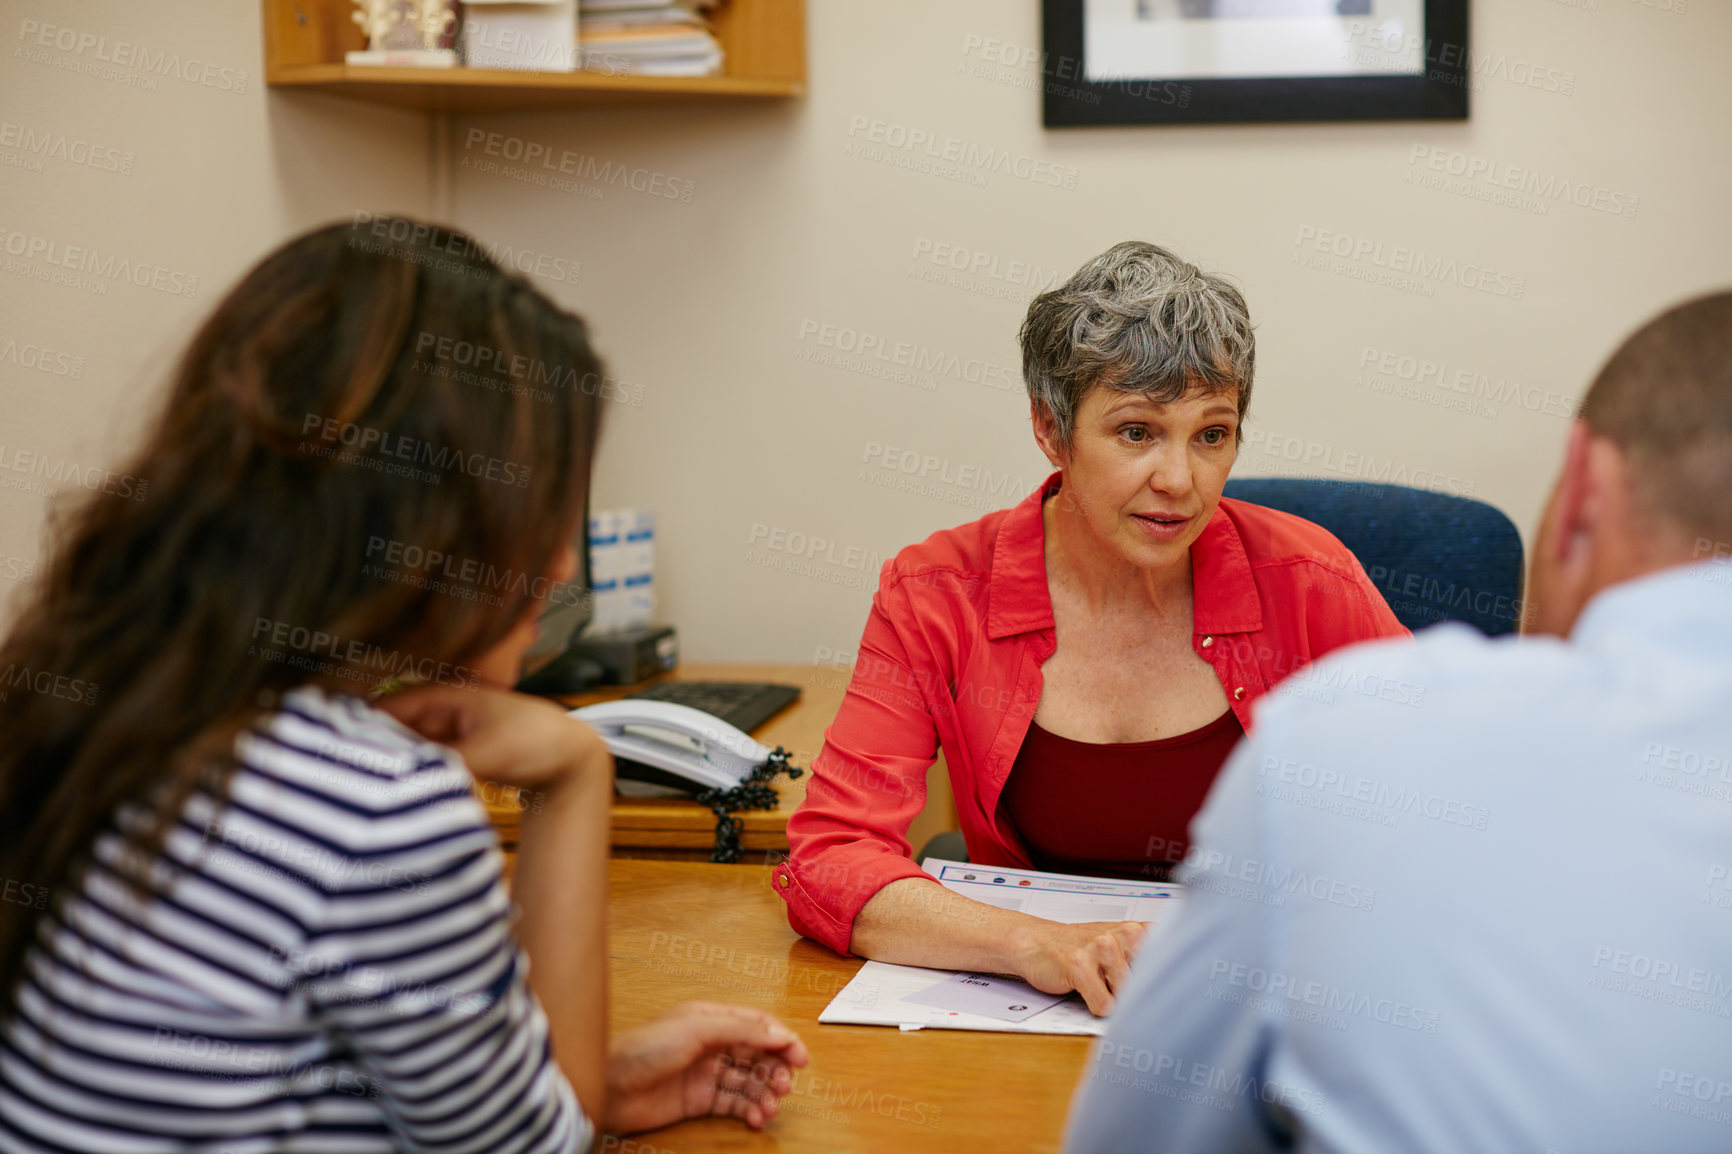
<point>754,226</point>
<point>195,171</point>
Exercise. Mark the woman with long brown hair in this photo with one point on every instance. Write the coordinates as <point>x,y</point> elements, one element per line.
<point>248,908</point>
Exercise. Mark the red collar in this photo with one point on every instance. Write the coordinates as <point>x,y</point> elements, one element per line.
<point>1224,595</point>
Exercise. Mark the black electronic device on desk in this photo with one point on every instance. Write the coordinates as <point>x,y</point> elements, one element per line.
<point>622,657</point>
<point>745,705</point>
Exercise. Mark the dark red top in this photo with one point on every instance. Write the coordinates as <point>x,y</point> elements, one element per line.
<point>1119,810</point>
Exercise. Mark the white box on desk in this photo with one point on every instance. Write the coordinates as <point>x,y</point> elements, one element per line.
<point>637,535</point>
<point>607,570</point>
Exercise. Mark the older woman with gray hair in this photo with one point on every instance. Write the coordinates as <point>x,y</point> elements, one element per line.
<point>1085,660</point>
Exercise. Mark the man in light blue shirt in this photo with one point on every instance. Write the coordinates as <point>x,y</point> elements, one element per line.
<point>1493,912</point>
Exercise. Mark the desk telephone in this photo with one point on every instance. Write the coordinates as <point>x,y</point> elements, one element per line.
<point>674,744</point>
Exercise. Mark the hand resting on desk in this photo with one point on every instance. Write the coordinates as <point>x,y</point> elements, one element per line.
<point>701,1059</point>
<point>915,922</point>
<point>1092,958</point>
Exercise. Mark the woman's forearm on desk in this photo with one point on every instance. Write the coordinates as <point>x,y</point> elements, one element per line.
<point>913,922</point>
<point>561,891</point>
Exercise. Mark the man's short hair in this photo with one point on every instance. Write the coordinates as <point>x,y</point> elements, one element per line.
<point>1665,399</point>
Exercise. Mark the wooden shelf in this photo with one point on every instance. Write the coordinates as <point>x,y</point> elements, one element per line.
<point>763,44</point>
<point>493,89</point>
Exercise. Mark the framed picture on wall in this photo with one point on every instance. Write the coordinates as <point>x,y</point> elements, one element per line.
<point>1243,61</point>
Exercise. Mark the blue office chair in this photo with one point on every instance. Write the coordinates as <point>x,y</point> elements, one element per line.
<point>1433,557</point>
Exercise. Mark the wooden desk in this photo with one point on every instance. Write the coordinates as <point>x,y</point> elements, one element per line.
<point>684,931</point>
<point>674,828</point>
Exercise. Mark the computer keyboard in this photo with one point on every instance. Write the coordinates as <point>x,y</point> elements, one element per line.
<point>745,705</point>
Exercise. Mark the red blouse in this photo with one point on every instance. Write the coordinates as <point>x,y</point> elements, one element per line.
<point>1120,809</point>
<point>951,658</point>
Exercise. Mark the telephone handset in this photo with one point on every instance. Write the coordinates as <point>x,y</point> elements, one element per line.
<point>694,746</point>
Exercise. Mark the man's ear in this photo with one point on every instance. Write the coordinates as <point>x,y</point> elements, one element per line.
<point>1561,578</point>
<point>1569,517</point>
<point>1046,433</point>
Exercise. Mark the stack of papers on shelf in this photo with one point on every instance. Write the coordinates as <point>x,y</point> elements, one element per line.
<point>647,38</point>
<point>535,35</point>
<point>915,998</point>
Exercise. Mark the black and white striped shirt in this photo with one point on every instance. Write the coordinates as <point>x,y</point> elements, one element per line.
<point>332,970</point>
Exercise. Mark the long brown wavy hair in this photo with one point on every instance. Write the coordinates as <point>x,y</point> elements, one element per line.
<point>369,395</point>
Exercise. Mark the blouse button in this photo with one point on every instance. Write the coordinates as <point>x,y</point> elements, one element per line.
<point>782,880</point>
<point>1239,693</point>
<point>1208,641</point>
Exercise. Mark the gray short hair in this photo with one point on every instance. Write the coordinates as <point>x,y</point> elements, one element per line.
<point>1138,319</point>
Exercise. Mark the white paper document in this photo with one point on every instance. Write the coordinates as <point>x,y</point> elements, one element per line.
<point>915,998</point>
